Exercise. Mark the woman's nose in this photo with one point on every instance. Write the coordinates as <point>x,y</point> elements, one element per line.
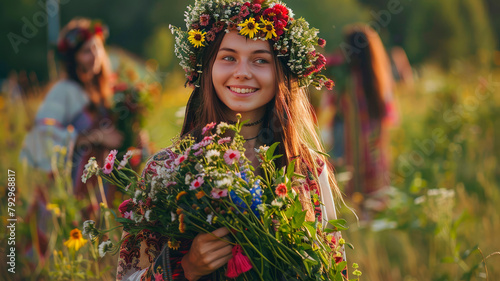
<point>242,71</point>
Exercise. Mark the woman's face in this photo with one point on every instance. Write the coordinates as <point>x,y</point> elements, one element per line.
<point>90,56</point>
<point>243,75</point>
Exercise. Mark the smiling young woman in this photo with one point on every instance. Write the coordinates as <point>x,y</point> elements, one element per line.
<point>248,69</point>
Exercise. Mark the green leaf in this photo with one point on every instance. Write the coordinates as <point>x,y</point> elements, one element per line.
<point>270,150</point>
<point>290,169</point>
<point>299,219</point>
<point>339,224</point>
<point>311,229</point>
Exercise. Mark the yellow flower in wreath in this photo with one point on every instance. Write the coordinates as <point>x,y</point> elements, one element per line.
<point>196,37</point>
<point>249,27</point>
<point>268,28</point>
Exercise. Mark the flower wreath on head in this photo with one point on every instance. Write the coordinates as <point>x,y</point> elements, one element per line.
<point>77,36</point>
<point>293,40</point>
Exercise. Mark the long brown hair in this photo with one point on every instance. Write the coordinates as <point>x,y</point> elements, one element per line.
<point>373,63</point>
<point>69,64</point>
<point>288,120</point>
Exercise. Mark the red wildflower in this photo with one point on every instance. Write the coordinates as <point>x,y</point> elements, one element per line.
<point>281,190</point>
<point>124,206</point>
<point>210,36</point>
<point>218,26</point>
<point>329,84</point>
<point>321,42</point>
<point>256,8</point>
<point>204,19</point>
<point>244,11</point>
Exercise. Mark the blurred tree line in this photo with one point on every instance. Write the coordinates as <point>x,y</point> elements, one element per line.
<point>429,30</point>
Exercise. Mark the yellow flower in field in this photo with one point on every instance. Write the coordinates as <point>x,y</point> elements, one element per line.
<point>179,195</point>
<point>76,240</point>
<point>268,28</point>
<point>200,194</point>
<point>249,27</point>
<point>54,208</point>
<point>196,37</point>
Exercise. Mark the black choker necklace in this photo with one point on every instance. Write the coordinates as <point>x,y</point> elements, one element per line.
<point>249,124</point>
<point>252,138</point>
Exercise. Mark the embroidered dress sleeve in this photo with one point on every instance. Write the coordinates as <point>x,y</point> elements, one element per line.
<point>328,208</point>
<point>62,104</point>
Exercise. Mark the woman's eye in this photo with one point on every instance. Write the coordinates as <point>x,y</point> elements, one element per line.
<point>228,58</point>
<point>261,61</point>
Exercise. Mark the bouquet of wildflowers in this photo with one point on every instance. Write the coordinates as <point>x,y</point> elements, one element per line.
<point>202,186</point>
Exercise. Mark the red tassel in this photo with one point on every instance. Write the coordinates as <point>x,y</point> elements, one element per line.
<point>238,264</point>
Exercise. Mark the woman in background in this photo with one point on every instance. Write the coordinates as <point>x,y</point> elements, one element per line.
<point>74,114</point>
<point>362,111</point>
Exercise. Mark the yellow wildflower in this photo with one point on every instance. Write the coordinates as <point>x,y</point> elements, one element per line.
<point>249,27</point>
<point>76,240</point>
<point>268,28</point>
<point>200,194</point>
<point>54,208</point>
<point>182,193</point>
<point>197,37</point>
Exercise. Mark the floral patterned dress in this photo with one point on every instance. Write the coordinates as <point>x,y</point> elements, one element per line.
<point>144,256</point>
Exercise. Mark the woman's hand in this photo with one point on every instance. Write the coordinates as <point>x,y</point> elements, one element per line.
<point>207,253</point>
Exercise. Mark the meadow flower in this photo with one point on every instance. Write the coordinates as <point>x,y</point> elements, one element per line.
<point>181,158</point>
<point>321,42</point>
<point>221,128</point>
<point>249,27</point>
<point>147,215</point>
<point>105,247</point>
<point>218,193</point>
<point>268,28</point>
<point>89,229</point>
<point>124,206</point>
<point>55,208</point>
<point>204,19</point>
<point>179,195</point>
<point>207,128</point>
<point>224,140</point>
<point>200,194</point>
<point>196,38</point>
<point>277,203</point>
<point>196,183</point>
<point>224,182</point>
<point>281,190</point>
<point>136,217</point>
<point>231,156</point>
<point>110,160</point>
<point>209,217</point>
<point>76,240</point>
<point>182,225</point>
<point>211,155</point>
<point>91,168</point>
<point>198,153</point>
<point>125,159</point>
